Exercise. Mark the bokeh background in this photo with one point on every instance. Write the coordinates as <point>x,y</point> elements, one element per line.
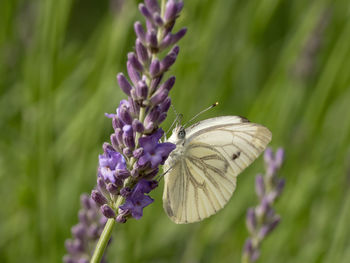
<point>281,63</point>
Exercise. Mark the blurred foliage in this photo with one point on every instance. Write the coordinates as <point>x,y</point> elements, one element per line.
<point>281,63</point>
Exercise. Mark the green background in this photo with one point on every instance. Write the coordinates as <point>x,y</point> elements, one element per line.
<point>281,63</point>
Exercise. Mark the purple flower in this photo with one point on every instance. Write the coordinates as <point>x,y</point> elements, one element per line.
<point>109,162</point>
<point>262,220</point>
<point>154,152</point>
<point>85,233</point>
<point>137,200</point>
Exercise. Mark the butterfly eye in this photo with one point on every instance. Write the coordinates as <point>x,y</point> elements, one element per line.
<point>181,134</point>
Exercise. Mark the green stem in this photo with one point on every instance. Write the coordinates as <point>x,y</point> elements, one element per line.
<point>162,8</point>
<point>103,241</point>
<point>245,258</point>
<point>105,236</point>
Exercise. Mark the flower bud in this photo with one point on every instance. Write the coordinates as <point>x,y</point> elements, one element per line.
<point>170,10</point>
<point>68,259</point>
<point>119,137</point>
<point>159,97</point>
<point>107,211</point>
<point>140,32</point>
<point>149,127</point>
<point>93,230</point>
<point>154,68</point>
<point>134,61</point>
<point>85,201</point>
<point>127,152</point>
<point>175,49</point>
<point>168,84</point>
<point>152,5</point>
<point>248,247</point>
<point>280,186</point>
<point>141,51</point>
<point>133,107</point>
<point>178,35</point>
<point>263,208</point>
<point>145,12</point>
<point>266,229</point>
<point>162,117</point>
<point>125,115</point>
<point>137,126</point>
<point>166,42</point>
<point>165,105</point>
<point>138,153</point>
<point>179,6</point>
<point>168,61</point>
<point>259,186</point>
<point>154,83</point>
<point>82,217</point>
<point>268,156</point>
<point>98,198</point>
<point>125,192</point>
<point>113,188</point>
<point>117,123</point>
<point>279,157</point>
<point>151,38</point>
<point>115,142</point>
<point>78,231</point>
<point>122,174</point>
<point>135,173</point>
<point>141,90</point>
<point>101,184</point>
<point>133,74</point>
<point>158,19</point>
<point>251,220</point>
<point>121,219</point>
<point>153,115</point>
<point>124,84</point>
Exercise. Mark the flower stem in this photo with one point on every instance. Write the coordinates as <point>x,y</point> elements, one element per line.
<point>103,241</point>
<point>105,236</point>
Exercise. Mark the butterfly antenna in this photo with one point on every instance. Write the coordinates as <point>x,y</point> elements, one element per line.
<point>177,120</point>
<point>159,177</point>
<point>173,107</point>
<point>210,107</point>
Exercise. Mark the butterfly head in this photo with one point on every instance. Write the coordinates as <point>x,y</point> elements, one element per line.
<point>179,134</point>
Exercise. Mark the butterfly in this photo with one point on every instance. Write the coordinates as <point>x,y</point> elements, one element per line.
<point>203,168</point>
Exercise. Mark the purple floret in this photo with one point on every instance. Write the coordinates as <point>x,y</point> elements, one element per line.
<point>154,153</point>
<point>135,202</point>
<point>109,162</point>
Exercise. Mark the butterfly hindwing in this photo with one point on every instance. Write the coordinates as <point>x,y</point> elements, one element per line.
<point>204,176</point>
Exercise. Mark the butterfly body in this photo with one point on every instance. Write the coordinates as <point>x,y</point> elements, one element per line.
<point>202,169</point>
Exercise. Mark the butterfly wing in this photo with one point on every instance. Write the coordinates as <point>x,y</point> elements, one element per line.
<point>203,177</point>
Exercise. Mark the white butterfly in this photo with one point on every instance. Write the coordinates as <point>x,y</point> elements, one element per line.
<point>203,168</point>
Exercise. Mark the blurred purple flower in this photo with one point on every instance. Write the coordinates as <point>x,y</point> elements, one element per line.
<point>85,233</point>
<point>262,219</point>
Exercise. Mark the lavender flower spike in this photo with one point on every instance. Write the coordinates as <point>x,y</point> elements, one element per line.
<point>131,160</point>
<point>262,220</point>
<point>85,233</point>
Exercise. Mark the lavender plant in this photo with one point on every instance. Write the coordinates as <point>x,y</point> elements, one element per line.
<point>85,233</point>
<point>262,219</point>
<point>131,160</point>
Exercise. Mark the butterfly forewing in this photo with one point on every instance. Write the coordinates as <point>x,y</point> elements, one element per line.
<point>203,178</point>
